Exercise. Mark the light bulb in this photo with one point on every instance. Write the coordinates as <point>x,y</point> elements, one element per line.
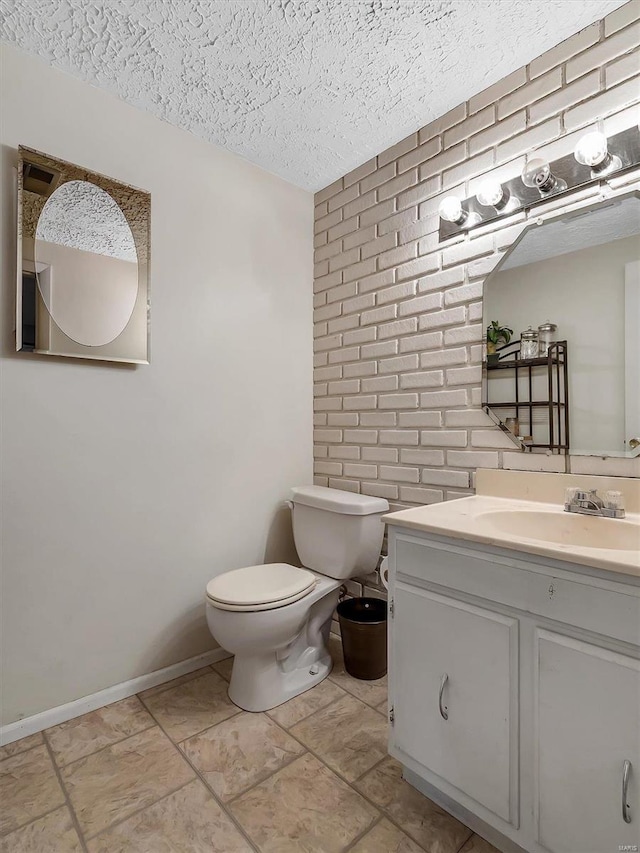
<point>591,149</point>
<point>490,193</point>
<point>451,210</point>
<point>537,173</point>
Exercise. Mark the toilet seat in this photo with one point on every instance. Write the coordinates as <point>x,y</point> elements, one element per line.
<point>263,587</point>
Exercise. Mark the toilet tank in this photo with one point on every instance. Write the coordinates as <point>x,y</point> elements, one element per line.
<point>338,534</point>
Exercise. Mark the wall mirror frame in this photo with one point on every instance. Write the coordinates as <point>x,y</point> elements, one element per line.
<point>574,387</point>
<point>83,249</point>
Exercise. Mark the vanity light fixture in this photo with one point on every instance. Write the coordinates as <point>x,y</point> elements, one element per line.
<point>537,175</point>
<point>451,210</point>
<point>595,157</point>
<point>593,150</point>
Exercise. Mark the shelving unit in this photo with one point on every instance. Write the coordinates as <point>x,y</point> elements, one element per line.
<point>556,401</point>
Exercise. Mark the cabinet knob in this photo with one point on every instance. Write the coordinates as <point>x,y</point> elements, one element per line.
<point>444,713</point>
<point>626,771</point>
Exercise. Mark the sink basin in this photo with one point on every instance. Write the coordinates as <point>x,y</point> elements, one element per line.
<point>564,528</point>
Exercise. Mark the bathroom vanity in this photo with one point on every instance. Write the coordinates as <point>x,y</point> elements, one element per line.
<point>514,665</point>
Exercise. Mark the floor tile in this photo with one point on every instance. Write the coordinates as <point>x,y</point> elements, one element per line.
<point>383,708</point>
<point>223,668</point>
<point>193,706</point>
<point>348,735</point>
<point>305,704</point>
<point>181,679</point>
<point>91,732</point>
<point>386,838</point>
<point>188,821</point>
<point>111,784</point>
<point>21,745</point>
<point>478,845</point>
<point>371,692</point>
<point>29,788</point>
<point>429,825</point>
<point>304,807</point>
<point>53,833</point>
<point>239,752</point>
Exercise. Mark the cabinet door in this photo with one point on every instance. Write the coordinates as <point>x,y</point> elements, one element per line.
<point>455,692</point>
<point>588,710</point>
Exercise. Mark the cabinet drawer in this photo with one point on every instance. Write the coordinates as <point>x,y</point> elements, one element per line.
<point>583,601</point>
<point>454,694</point>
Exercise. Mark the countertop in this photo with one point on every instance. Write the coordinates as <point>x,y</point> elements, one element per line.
<point>465,518</point>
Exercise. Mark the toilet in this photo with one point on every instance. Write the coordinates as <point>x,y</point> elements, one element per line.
<point>275,618</point>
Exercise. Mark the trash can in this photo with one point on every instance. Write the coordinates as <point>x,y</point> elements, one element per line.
<point>363,626</point>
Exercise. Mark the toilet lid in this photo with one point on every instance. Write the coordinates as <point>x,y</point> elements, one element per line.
<point>255,586</point>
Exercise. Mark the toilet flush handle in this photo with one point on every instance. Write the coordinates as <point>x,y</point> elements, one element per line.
<point>290,505</point>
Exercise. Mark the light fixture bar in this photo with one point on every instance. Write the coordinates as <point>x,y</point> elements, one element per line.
<point>623,151</point>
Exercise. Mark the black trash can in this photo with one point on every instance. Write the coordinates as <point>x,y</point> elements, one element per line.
<point>363,626</point>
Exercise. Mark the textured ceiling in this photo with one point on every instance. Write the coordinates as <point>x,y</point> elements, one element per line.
<point>579,230</point>
<point>82,216</point>
<point>308,89</point>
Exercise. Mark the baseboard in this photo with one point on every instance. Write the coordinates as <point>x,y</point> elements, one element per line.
<point>62,713</point>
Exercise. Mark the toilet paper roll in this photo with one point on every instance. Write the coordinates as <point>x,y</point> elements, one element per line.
<point>384,572</point>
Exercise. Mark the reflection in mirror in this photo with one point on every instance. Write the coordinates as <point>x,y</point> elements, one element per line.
<point>84,236</point>
<point>580,274</point>
<point>83,289</point>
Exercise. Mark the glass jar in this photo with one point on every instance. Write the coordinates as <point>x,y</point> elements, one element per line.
<point>513,425</point>
<point>529,344</point>
<point>546,336</point>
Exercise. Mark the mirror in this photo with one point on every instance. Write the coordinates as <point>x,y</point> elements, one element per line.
<point>567,378</point>
<point>83,282</point>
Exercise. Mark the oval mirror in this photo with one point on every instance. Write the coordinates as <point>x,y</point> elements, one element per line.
<point>86,263</point>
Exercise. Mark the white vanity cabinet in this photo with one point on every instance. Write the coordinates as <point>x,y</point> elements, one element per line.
<point>515,692</point>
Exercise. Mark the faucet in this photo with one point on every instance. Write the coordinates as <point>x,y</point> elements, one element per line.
<point>589,502</point>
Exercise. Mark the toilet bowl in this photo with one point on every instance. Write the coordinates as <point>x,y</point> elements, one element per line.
<point>280,651</point>
<point>275,618</point>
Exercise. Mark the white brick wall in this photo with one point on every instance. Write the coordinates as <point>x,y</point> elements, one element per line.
<point>398,316</point>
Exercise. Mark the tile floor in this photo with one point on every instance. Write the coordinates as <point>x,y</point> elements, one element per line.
<point>180,769</point>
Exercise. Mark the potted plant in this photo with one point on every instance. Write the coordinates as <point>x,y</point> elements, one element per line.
<point>495,334</point>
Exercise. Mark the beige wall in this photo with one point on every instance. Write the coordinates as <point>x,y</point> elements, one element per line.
<point>125,489</point>
<point>91,298</point>
<point>398,315</point>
